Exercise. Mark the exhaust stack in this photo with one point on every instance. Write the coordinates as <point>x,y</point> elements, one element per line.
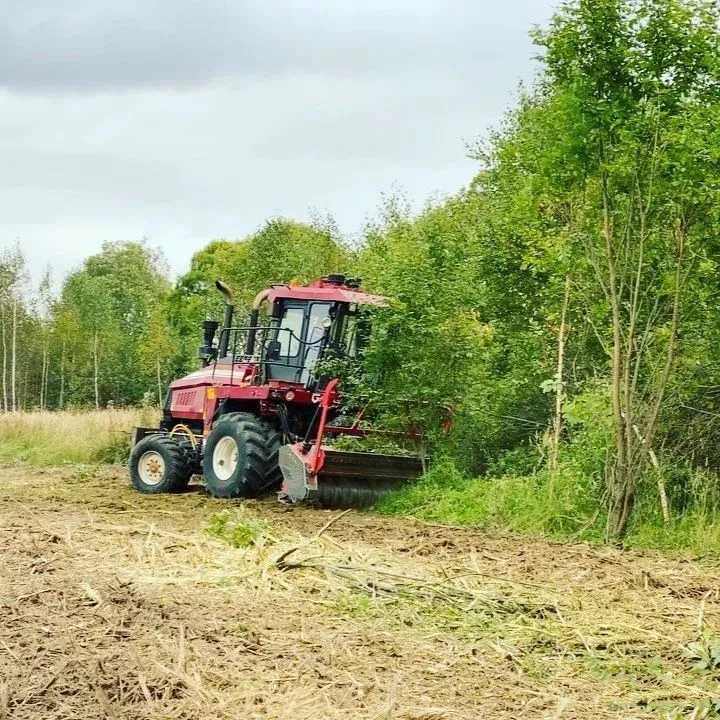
<point>228,317</point>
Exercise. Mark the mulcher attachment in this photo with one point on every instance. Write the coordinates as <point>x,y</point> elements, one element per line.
<point>335,478</point>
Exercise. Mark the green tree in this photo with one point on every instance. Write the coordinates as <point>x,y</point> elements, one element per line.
<point>108,312</point>
<point>462,344</point>
<point>611,158</point>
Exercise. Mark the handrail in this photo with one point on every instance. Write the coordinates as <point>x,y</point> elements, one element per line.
<point>266,333</point>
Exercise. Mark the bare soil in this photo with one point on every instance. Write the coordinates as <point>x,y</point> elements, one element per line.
<point>115,605</point>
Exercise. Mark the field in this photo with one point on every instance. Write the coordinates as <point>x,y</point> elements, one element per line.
<point>116,605</point>
<point>46,438</point>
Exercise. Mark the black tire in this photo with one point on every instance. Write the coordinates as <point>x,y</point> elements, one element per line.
<point>255,450</point>
<point>273,474</point>
<point>171,459</point>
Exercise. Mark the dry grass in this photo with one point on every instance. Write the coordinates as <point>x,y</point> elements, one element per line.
<point>116,605</point>
<point>53,438</point>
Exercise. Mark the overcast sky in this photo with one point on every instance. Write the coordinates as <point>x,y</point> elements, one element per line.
<point>187,120</point>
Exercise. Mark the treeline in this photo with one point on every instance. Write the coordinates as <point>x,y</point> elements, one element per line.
<point>563,308</point>
<point>117,330</point>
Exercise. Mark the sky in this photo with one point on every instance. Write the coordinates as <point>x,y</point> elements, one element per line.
<point>181,121</point>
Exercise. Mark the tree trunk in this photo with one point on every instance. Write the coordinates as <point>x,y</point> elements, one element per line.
<point>61,397</point>
<point>47,375</point>
<point>680,238</point>
<point>159,383</point>
<point>43,372</point>
<point>620,475</point>
<point>96,371</point>
<point>559,385</point>
<point>3,336</point>
<point>13,359</point>
<point>24,395</point>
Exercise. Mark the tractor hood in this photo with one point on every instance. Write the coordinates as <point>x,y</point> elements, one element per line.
<point>220,374</point>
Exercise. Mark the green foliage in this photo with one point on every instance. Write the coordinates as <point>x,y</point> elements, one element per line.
<point>239,529</point>
<point>111,317</point>
<point>370,444</point>
<point>609,166</point>
<point>559,506</point>
<point>704,654</point>
<point>453,349</point>
<point>523,459</point>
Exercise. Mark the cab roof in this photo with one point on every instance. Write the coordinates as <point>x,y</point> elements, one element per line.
<point>334,288</point>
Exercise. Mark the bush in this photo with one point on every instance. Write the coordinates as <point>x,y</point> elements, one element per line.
<point>559,504</point>
<point>239,529</point>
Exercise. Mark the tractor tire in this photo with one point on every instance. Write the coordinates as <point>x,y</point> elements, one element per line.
<point>240,456</point>
<point>273,474</point>
<point>159,464</point>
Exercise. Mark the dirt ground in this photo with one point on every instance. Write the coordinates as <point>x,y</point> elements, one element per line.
<point>115,605</point>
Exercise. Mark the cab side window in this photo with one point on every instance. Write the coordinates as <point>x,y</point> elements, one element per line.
<point>290,330</point>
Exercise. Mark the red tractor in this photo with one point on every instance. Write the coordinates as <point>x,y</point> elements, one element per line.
<point>254,418</point>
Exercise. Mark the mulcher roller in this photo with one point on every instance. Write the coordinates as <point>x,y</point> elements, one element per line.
<point>335,478</point>
<point>356,479</point>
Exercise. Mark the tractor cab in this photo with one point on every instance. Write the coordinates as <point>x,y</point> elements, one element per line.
<point>290,329</point>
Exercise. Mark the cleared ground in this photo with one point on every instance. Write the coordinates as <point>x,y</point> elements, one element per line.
<point>115,605</point>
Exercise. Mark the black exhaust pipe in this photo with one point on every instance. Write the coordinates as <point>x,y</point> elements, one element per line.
<point>227,319</point>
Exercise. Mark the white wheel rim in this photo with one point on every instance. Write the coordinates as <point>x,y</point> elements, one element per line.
<point>225,458</point>
<point>151,467</point>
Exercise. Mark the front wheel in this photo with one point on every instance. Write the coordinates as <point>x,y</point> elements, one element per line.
<point>159,464</point>
<point>240,457</point>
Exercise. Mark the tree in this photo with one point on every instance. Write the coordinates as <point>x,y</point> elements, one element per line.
<point>107,310</point>
<point>461,345</point>
<point>610,157</point>
<point>12,277</point>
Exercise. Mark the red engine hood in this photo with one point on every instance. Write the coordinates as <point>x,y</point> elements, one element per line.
<point>220,374</point>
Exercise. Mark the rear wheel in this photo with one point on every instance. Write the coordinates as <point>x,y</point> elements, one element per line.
<point>240,456</point>
<point>159,464</point>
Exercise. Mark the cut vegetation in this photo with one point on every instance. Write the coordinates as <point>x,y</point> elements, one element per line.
<point>116,606</point>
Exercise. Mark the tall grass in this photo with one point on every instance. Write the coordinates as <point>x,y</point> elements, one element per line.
<point>530,504</point>
<point>54,438</point>
<point>566,505</point>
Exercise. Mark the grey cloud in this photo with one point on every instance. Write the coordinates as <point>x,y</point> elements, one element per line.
<point>109,44</point>
<point>186,120</point>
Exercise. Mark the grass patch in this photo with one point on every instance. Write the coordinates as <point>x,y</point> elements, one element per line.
<point>240,529</point>
<point>55,438</point>
<point>535,504</point>
<point>563,506</point>
<point>356,605</point>
<point>694,531</point>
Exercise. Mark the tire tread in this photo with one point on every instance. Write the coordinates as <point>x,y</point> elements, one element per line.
<point>261,470</point>
<point>177,459</point>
